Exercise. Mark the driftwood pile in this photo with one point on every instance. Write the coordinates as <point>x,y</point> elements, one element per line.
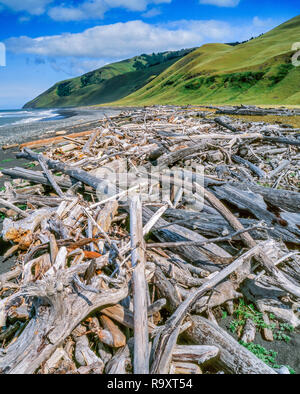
<point>111,282</point>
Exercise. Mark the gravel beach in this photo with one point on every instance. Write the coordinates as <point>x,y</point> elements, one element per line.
<point>23,132</point>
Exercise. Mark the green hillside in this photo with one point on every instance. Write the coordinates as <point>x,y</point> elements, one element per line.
<point>109,83</point>
<point>256,72</point>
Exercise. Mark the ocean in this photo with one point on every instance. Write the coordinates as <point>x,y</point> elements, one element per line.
<point>23,116</point>
<point>17,126</point>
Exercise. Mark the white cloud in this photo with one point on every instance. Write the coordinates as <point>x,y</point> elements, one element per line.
<point>221,3</point>
<point>73,66</point>
<point>95,9</point>
<point>33,7</point>
<point>152,13</point>
<point>117,41</point>
<point>262,23</point>
<point>123,40</point>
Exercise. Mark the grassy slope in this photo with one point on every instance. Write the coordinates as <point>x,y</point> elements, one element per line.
<point>109,83</point>
<point>256,72</point>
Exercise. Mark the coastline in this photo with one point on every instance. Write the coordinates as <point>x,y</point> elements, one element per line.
<point>24,132</point>
<point>75,120</point>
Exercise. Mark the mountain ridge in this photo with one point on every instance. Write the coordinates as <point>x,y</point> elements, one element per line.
<point>258,71</point>
<point>110,82</point>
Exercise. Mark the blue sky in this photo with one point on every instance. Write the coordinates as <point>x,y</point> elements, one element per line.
<point>51,40</point>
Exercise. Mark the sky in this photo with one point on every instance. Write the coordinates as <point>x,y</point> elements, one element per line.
<point>47,41</point>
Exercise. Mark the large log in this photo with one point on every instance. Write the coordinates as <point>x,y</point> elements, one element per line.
<point>140,304</point>
<point>211,225</point>
<point>72,171</point>
<point>52,140</point>
<point>285,199</point>
<point>233,358</point>
<point>173,233</point>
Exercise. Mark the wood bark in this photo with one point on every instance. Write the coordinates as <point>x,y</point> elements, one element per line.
<point>233,358</point>
<point>141,342</point>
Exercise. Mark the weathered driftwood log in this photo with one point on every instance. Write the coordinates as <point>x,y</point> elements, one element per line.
<point>58,310</point>
<point>260,173</point>
<point>268,299</point>
<point>255,111</point>
<point>53,140</point>
<point>83,353</point>
<point>223,293</point>
<point>171,269</point>
<point>282,140</point>
<point>195,353</point>
<point>282,281</point>
<point>212,225</point>
<point>233,357</point>
<point>35,176</point>
<point>193,254</point>
<point>249,331</point>
<point>285,199</point>
<point>169,159</point>
<point>120,363</point>
<point>181,368</point>
<point>90,142</point>
<point>156,306</point>
<point>166,339</point>
<point>167,290</point>
<point>49,175</point>
<point>222,121</point>
<point>73,172</point>
<point>123,316</point>
<point>246,200</point>
<point>281,167</point>
<point>13,207</point>
<point>140,304</point>
<point>119,339</point>
<point>106,216</point>
<point>286,223</point>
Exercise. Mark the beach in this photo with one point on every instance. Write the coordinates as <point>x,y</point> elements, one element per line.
<point>70,120</point>
<point>173,124</point>
<point>50,122</point>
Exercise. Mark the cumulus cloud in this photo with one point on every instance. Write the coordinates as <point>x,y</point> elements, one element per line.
<point>221,3</point>
<point>81,52</point>
<point>95,9</point>
<point>33,7</point>
<point>117,41</point>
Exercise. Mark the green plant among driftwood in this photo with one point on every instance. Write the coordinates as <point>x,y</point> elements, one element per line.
<point>268,356</point>
<point>246,311</point>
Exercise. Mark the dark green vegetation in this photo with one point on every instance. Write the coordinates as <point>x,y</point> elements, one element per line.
<point>267,356</point>
<point>109,83</point>
<point>244,311</point>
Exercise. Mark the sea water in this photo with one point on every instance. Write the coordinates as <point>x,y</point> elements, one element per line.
<point>17,126</point>
<point>23,116</point>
